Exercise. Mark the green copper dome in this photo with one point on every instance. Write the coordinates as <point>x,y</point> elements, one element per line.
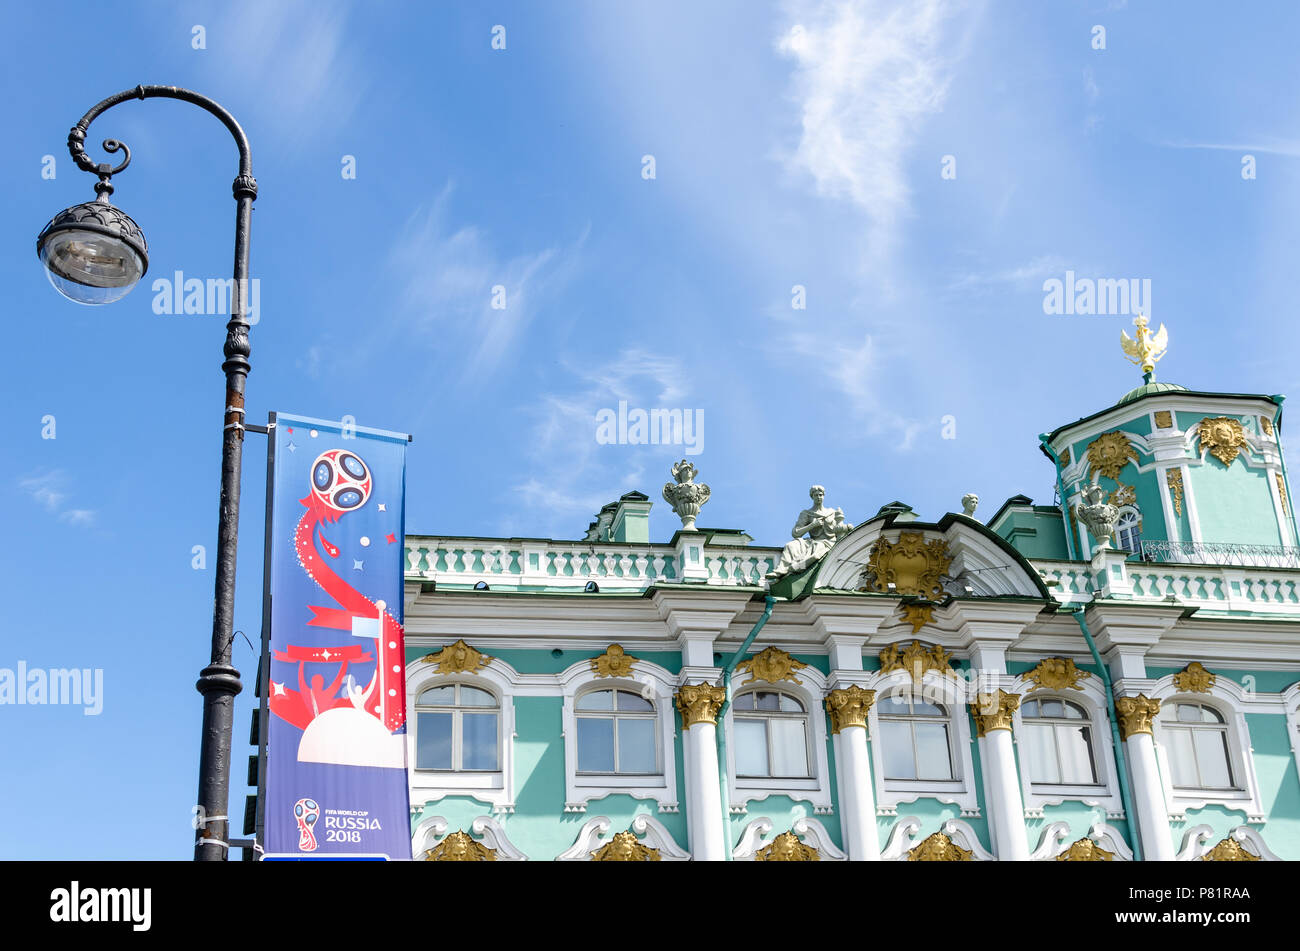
<point>1147,389</point>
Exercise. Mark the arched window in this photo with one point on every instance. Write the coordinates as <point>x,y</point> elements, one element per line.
<point>914,738</point>
<point>616,733</point>
<point>1056,743</point>
<point>457,728</point>
<point>771,735</point>
<point>1128,530</point>
<point>1197,738</point>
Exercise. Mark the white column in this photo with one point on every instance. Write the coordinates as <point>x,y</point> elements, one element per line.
<point>1135,716</point>
<point>848,708</point>
<point>699,705</point>
<point>1007,808</point>
<point>857,800</point>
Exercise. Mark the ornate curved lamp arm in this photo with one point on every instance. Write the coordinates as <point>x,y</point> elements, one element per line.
<point>219,681</point>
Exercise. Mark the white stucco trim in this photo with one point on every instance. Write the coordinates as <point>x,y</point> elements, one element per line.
<point>816,789</point>
<point>1105,796</point>
<point>952,692</point>
<point>809,831</point>
<point>1228,697</point>
<point>434,829</point>
<point>646,828</point>
<point>494,788</point>
<point>1057,838</point>
<point>905,836</point>
<point>1199,840</point>
<point>655,684</point>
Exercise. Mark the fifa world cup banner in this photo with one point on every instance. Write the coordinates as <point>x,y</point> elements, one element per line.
<point>336,741</point>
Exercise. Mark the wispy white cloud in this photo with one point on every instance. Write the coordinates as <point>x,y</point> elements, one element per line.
<point>1288,148</point>
<point>48,489</point>
<point>1031,273</point>
<point>292,58</point>
<point>572,475</point>
<point>866,75</point>
<point>449,278</point>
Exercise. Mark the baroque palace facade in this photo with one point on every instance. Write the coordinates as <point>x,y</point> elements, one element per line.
<point>1116,678</point>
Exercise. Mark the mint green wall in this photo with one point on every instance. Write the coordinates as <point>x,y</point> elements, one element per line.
<point>1035,533</point>
<point>1234,503</point>
<point>932,814</point>
<point>1080,817</point>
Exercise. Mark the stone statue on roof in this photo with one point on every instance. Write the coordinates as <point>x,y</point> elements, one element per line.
<point>823,526</point>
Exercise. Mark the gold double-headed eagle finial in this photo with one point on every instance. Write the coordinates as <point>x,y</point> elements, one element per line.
<point>1147,348</point>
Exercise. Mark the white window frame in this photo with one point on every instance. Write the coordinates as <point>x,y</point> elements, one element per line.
<point>493,787</point>
<point>657,685</point>
<point>1137,515</point>
<point>1106,795</point>
<point>1227,697</point>
<point>815,789</point>
<point>951,691</point>
<point>457,711</point>
<point>804,714</point>
<point>1291,704</point>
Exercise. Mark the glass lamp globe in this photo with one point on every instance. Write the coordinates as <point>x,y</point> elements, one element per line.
<point>93,253</point>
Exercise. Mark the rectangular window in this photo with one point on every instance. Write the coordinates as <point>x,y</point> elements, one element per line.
<point>896,744</point>
<point>1076,755</point>
<point>636,746</point>
<point>789,748</point>
<point>595,745</point>
<point>751,748</point>
<point>1212,758</point>
<point>1040,751</point>
<point>478,741</point>
<point>1182,758</point>
<point>433,750</point>
<point>933,761</point>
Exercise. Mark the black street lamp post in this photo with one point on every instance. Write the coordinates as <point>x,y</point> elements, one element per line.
<point>94,254</point>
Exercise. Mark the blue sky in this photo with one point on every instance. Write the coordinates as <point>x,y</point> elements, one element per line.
<point>794,143</point>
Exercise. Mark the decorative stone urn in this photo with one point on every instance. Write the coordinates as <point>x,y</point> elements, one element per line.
<point>686,495</point>
<point>1098,515</point>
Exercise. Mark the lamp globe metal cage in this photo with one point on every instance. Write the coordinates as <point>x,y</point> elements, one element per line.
<point>93,253</point>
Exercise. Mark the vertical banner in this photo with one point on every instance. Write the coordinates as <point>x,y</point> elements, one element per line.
<point>336,740</point>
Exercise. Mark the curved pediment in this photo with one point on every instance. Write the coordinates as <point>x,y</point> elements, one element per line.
<point>928,560</point>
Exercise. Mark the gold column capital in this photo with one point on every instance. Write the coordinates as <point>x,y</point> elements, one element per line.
<point>1136,714</point>
<point>699,703</point>
<point>993,711</point>
<point>848,706</point>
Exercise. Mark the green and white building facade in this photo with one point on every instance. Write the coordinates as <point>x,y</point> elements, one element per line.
<point>943,688</point>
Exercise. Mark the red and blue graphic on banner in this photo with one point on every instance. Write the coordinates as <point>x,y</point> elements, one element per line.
<point>336,745</point>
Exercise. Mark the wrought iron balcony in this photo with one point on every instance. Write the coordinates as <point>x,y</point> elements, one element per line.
<point>1220,553</point>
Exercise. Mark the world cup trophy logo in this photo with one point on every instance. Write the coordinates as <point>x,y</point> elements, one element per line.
<point>306,812</point>
<point>340,481</point>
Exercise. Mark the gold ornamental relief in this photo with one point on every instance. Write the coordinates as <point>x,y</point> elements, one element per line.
<point>615,662</point>
<point>1266,424</point>
<point>994,711</point>
<point>1123,495</point>
<point>912,565</point>
<point>915,659</point>
<point>772,665</point>
<point>1222,437</point>
<point>459,847</point>
<point>786,847</point>
<point>1281,492</point>
<point>458,658</point>
<point>1229,850</point>
<point>938,848</point>
<point>1085,850</point>
<point>1109,453</point>
<point>1136,714</point>
<point>699,703</point>
<point>625,847</point>
<point>1194,678</point>
<point>918,615</point>
<point>1065,456</point>
<point>1056,673</point>
<point>1174,478</point>
<point>849,706</point>
<point>1164,419</point>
